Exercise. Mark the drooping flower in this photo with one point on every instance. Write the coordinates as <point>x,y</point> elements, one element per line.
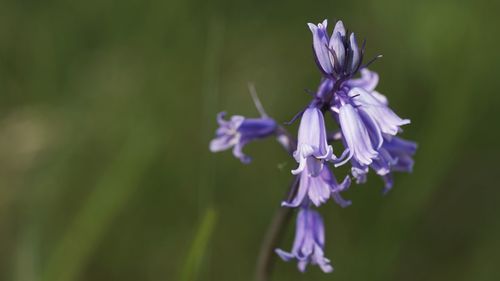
<point>364,116</point>
<point>309,242</point>
<point>319,189</point>
<point>395,155</point>
<point>361,135</point>
<point>312,147</point>
<point>239,131</point>
<point>377,108</point>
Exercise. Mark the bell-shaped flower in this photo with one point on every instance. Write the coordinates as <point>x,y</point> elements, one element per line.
<point>361,135</point>
<point>312,146</point>
<point>396,156</point>
<point>309,243</point>
<point>319,189</point>
<point>377,108</point>
<point>238,131</point>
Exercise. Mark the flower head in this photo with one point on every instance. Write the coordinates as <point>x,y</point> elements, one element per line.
<point>366,126</point>
<point>239,131</point>
<point>309,242</point>
<point>312,147</point>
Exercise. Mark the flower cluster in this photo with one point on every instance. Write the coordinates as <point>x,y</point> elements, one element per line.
<point>368,130</point>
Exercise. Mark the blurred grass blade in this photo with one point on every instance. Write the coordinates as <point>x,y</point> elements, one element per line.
<point>109,197</point>
<point>192,265</point>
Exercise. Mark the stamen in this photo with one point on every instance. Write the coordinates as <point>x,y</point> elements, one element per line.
<point>371,61</point>
<point>296,117</point>
<point>310,92</point>
<point>336,63</point>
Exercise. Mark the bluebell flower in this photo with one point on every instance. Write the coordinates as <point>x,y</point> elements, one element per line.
<point>337,55</point>
<point>312,147</point>
<point>309,243</point>
<point>360,133</point>
<point>377,108</point>
<point>364,117</point>
<point>319,189</point>
<point>239,131</point>
<point>367,127</point>
<point>395,155</point>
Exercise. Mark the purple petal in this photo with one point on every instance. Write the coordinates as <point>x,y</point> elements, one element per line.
<point>238,153</point>
<point>355,53</point>
<point>359,171</point>
<point>302,266</point>
<point>368,80</point>
<point>337,45</point>
<point>381,98</point>
<point>320,45</point>
<point>339,28</point>
<point>301,192</point>
<point>222,143</point>
<point>319,190</point>
<point>320,259</point>
<point>399,145</point>
<point>255,128</point>
<point>387,120</point>
<point>312,147</point>
<point>286,256</point>
<point>356,135</point>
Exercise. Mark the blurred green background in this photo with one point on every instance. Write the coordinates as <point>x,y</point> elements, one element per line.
<point>107,109</point>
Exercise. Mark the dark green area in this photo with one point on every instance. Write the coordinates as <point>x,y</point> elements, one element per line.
<point>107,109</point>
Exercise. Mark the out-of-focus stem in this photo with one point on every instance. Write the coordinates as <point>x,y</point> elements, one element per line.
<point>281,218</point>
<point>275,232</point>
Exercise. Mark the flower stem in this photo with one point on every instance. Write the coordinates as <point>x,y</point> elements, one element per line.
<point>275,232</point>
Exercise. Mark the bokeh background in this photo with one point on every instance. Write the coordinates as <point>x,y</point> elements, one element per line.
<point>107,109</point>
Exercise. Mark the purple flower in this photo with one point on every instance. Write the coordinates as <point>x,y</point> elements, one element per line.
<point>395,155</point>
<point>377,108</point>
<point>312,148</point>
<point>361,135</point>
<point>239,131</point>
<point>336,56</point>
<point>319,189</point>
<point>364,117</point>
<point>309,242</point>
<point>367,127</point>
